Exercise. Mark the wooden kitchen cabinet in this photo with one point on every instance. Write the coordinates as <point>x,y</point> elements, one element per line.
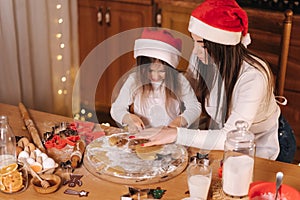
<point>100,20</point>
<point>176,19</point>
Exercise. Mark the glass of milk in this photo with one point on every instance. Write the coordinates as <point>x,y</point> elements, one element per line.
<point>199,179</point>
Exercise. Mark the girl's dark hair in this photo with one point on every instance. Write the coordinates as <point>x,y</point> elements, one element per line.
<point>171,83</point>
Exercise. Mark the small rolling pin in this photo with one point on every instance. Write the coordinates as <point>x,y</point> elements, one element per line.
<point>31,127</point>
<point>77,153</point>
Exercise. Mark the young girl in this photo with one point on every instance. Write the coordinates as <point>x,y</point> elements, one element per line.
<point>160,95</point>
<point>233,84</point>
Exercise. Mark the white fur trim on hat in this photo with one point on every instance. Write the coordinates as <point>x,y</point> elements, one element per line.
<point>246,40</point>
<point>157,49</point>
<point>213,34</point>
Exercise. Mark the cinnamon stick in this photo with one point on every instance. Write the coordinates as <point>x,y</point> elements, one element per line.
<point>31,127</point>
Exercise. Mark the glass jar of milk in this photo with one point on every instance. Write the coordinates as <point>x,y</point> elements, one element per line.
<point>238,162</point>
<point>7,143</point>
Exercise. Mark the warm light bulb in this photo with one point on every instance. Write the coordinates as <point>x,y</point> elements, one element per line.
<point>60,20</point>
<point>82,111</point>
<point>90,115</point>
<point>59,91</point>
<point>65,92</point>
<point>58,6</point>
<point>59,57</point>
<point>62,45</point>
<point>58,35</point>
<point>82,118</point>
<point>63,79</point>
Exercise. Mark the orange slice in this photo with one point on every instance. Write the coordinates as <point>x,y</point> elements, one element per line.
<point>13,182</point>
<point>8,169</point>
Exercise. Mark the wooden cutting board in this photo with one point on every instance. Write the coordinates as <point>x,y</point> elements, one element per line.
<point>121,164</point>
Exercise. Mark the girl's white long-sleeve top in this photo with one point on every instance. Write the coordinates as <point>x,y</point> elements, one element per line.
<point>250,103</point>
<point>152,110</point>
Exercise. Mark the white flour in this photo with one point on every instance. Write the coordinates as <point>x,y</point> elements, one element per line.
<point>237,175</point>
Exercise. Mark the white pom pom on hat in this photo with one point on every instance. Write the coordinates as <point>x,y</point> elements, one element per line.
<point>159,44</point>
<point>219,21</point>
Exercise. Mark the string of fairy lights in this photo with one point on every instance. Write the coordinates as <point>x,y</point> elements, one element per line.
<point>61,46</point>
<point>83,114</point>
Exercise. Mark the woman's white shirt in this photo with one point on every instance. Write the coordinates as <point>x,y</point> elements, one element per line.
<point>250,103</point>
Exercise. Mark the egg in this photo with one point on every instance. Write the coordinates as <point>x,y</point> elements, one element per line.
<point>32,155</point>
<point>30,160</point>
<point>23,154</point>
<point>37,167</point>
<point>48,163</point>
<point>44,156</point>
<point>37,152</point>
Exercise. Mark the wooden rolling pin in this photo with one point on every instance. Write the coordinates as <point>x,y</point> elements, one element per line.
<point>31,127</point>
<point>77,153</point>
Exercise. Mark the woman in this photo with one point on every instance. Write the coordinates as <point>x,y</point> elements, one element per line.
<point>161,96</point>
<point>233,84</point>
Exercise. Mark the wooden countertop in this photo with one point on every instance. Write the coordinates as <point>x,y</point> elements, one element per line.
<point>100,189</point>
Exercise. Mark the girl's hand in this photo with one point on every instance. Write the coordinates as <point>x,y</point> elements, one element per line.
<point>158,136</point>
<point>135,124</point>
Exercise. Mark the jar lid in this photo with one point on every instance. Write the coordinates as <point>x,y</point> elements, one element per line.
<point>241,134</point>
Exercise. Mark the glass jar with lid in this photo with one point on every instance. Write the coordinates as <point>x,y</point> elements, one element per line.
<point>238,161</point>
<point>7,143</point>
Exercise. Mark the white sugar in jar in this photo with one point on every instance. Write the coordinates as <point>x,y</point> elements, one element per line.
<point>237,175</point>
<point>238,162</point>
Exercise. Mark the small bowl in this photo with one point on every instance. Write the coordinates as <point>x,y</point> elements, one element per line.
<point>54,181</point>
<point>265,190</point>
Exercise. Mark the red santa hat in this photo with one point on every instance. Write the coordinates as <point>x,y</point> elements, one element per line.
<point>220,21</point>
<point>160,44</point>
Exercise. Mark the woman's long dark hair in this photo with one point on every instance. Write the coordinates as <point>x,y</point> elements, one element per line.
<point>228,60</point>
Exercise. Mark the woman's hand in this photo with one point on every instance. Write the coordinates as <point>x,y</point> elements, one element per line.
<point>158,136</point>
<point>134,123</point>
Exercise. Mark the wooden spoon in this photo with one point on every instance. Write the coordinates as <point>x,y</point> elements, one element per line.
<point>44,183</point>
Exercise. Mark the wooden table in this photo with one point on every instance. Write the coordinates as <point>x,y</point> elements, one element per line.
<point>100,189</point>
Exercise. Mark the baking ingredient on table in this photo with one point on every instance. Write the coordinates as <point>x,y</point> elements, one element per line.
<point>148,153</point>
<point>38,160</point>
<point>31,127</point>
<point>237,175</point>
<point>110,130</point>
<point>199,186</point>
<point>53,180</point>
<point>269,196</point>
<point>13,178</point>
